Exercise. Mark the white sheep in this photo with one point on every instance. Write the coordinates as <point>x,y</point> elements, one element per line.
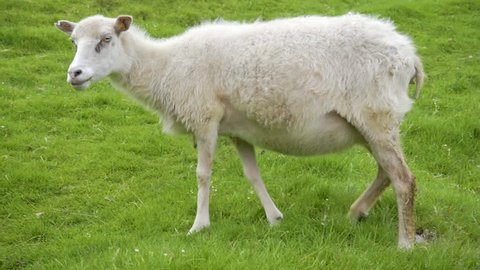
<point>300,86</point>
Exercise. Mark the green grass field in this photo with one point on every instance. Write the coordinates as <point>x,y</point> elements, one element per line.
<point>88,180</point>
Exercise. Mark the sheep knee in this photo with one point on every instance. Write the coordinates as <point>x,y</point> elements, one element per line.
<point>405,185</point>
<point>203,175</point>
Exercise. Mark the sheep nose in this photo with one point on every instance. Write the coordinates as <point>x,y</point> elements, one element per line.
<point>75,73</point>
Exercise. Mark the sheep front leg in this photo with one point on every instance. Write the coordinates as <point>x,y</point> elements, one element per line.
<point>206,143</point>
<point>250,169</point>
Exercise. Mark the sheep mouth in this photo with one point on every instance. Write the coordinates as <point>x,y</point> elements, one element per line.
<point>80,85</point>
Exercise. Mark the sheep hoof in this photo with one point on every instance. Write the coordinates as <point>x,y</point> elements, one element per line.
<point>275,220</point>
<point>357,217</point>
<point>197,228</point>
<point>405,245</point>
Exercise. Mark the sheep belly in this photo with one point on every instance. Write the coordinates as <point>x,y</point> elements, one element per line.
<point>322,134</point>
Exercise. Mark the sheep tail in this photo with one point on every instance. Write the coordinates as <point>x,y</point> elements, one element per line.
<point>419,76</point>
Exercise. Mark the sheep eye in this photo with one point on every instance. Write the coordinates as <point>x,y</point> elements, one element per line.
<point>102,43</point>
<point>107,39</point>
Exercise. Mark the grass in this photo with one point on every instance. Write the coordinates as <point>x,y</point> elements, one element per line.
<point>88,181</point>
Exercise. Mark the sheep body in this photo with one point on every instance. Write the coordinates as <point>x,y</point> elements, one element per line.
<point>301,86</point>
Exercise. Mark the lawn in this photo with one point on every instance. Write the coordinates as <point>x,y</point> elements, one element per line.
<point>88,180</point>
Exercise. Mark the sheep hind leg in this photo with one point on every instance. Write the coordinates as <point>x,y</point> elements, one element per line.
<point>360,208</point>
<point>392,161</point>
<point>381,132</point>
<point>250,169</point>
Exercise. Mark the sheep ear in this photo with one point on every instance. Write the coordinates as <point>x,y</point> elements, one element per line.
<point>123,23</point>
<point>66,26</point>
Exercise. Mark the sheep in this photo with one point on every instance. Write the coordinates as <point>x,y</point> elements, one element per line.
<point>299,86</point>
